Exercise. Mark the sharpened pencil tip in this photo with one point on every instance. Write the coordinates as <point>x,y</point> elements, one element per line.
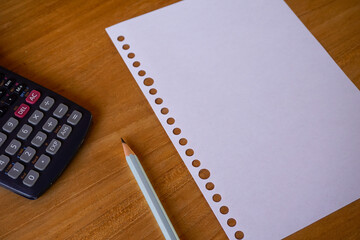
<point>122,140</point>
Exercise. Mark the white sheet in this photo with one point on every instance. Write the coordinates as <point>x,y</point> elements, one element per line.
<point>263,105</point>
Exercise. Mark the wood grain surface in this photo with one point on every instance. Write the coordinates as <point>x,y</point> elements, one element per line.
<point>63,46</point>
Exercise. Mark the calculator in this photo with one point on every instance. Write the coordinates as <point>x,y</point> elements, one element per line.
<point>40,132</point>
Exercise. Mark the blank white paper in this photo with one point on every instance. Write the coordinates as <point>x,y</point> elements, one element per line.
<point>265,108</point>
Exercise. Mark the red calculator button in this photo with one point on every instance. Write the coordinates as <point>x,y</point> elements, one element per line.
<point>33,97</point>
<point>22,110</point>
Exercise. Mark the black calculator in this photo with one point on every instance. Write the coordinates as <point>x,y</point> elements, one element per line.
<point>40,132</point>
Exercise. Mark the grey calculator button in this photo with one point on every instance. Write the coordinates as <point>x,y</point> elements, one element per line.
<point>42,162</point>
<point>36,117</point>
<point>3,138</point>
<point>10,125</point>
<point>64,131</point>
<point>53,146</point>
<point>47,103</point>
<point>28,154</point>
<point>24,132</point>
<point>4,160</point>
<point>75,117</point>
<point>61,110</point>
<point>31,178</point>
<point>13,147</point>
<point>16,170</point>
<point>50,124</point>
<point>39,139</point>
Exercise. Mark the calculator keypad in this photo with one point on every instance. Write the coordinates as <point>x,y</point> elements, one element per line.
<point>40,131</point>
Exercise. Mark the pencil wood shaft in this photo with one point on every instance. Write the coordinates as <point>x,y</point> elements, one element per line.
<point>151,197</point>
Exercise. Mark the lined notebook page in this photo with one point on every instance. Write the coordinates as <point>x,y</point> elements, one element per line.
<point>265,109</point>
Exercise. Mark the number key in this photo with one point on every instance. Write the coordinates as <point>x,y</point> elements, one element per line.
<point>16,170</point>
<point>3,138</point>
<point>28,154</point>
<point>13,147</point>
<point>39,139</point>
<point>4,160</point>
<point>24,132</point>
<point>31,178</point>
<point>10,125</point>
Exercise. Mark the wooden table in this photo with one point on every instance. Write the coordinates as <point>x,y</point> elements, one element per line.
<point>63,46</point>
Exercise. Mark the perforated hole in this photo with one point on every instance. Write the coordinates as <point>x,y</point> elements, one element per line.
<point>164,111</point>
<point>136,64</point>
<point>170,121</point>
<point>121,38</point>
<point>189,152</point>
<point>153,91</point>
<point>224,210</point>
<point>158,101</point>
<point>196,163</point>
<point>176,131</point>
<point>204,174</point>
<point>126,46</point>
<point>148,82</point>
<point>210,186</point>
<point>231,222</point>
<point>141,73</point>
<point>131,55</point>
<point>216,197</point>
<point>239,235</point>
<point>183,141</point>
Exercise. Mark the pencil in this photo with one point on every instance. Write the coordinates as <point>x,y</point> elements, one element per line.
<point>149,194</point>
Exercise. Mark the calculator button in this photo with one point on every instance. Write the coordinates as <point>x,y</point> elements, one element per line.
<point>10,99</point>
<point>28,154</point>
<point>50,124</point>
<point>9,83</point>
<point>53,146</point>
<point>4,160</point>
<point>10,125</point>
<point>39,139</point>
<point>16,170</point>
<point>19,88</point>
<point>47,103</point>
<point>64,131</point>
<point>22,110</point>
<point>36,117</point>
<point>13,147</point>
<point>31,178</point>
<point>24,132</point>
<point>61,110</point>
<point>33,97</point>
<point>74,118</point>
<point>3,138</point>
<point>42,162</point>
